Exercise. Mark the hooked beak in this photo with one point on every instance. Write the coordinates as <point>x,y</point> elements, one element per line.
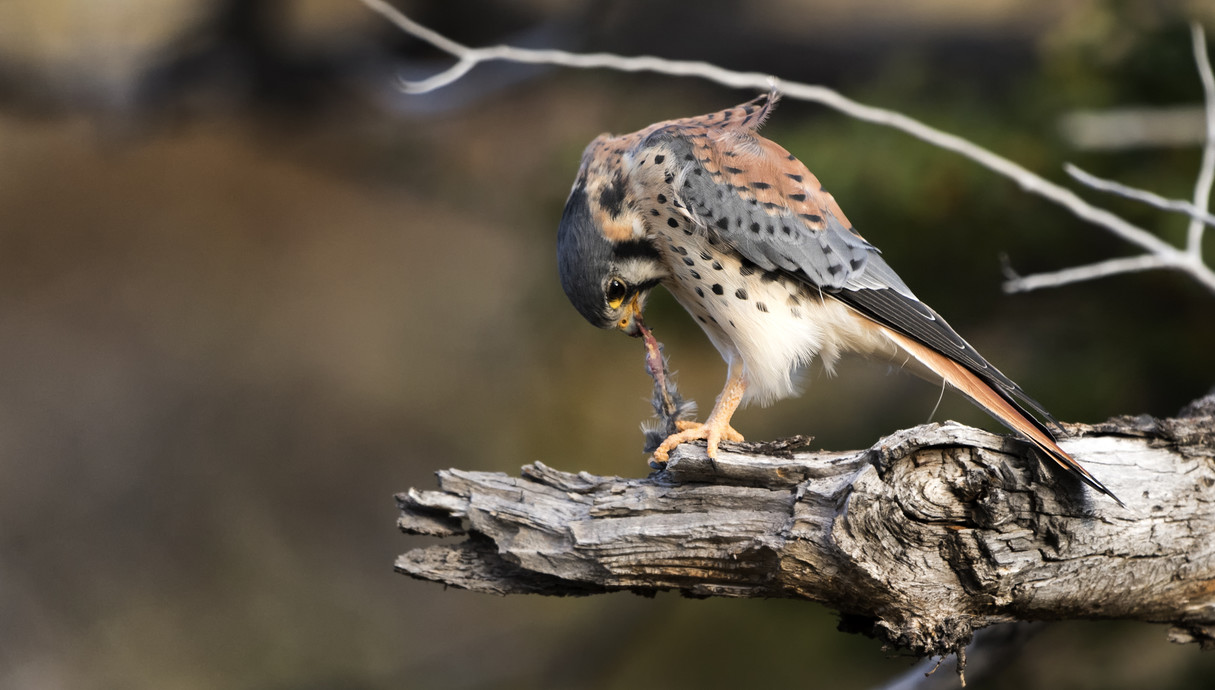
<point>631,322</point>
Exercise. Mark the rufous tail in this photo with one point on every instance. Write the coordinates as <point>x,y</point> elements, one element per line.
<point>999,405</point>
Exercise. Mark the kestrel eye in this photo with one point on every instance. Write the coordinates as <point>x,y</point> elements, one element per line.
<point>615,293</point>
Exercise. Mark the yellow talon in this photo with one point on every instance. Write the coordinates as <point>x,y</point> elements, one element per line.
<point>712,434</point>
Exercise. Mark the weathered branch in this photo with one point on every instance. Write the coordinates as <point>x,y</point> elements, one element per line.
<point>931,534</point>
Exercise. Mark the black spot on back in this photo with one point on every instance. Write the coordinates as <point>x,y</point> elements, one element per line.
<point>612,196</point>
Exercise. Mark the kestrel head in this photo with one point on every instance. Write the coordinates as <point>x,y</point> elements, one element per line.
<point>606,262</point>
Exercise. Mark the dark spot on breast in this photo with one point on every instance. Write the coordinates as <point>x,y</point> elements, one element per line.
<point>682,251</point>
<point>723,223</point>
<point>716,265</point>
<point>654,212</point>
<point>695,275</point>
<point>755,228</point>
<point>717,289</point>
<point>689,261</point>
<point>747,268</point>
<point>700,293</point>
<point>770,277</point>
<point>811,218</point>
<point>662,198</point>
<point>797,197</point>
<point>795,178</point>
<point>793,301</point>
<point>702,319</point>
<point>672,222</point>
<point>791,157</point>
<point>761,185</point>
<point>667,178</point>
<point>659,158</point>
<point>762,307</point>
<point>771,206</point>
<point>734,171</point>
<point>696,171</point>
<point>771,229</point>
<point>705,256</point>
<point>786,229</point>
<point>740,293</point>
<point>689,157</point>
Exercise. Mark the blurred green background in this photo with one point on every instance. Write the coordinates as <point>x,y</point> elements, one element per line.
<point>249,290</point>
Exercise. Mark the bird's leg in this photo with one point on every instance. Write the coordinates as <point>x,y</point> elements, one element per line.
<point>717,427</point>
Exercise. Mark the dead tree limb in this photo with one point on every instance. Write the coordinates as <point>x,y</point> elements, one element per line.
<point>931,534</point>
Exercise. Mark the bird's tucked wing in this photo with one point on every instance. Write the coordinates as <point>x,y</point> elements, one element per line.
<point>761,200</point>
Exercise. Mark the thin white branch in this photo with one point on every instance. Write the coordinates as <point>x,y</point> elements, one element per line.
<point>467,58</point>
<point>1206,175</point>
<point>1149,198</point>
<point>1101,269</point>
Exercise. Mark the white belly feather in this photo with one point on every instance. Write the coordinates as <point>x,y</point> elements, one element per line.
<point>772,327</point>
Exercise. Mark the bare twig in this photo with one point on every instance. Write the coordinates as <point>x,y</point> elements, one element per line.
<point>1166,256</point>
<point>1101,269</point>
<point>1206,175</point>
<point>1149,198</point>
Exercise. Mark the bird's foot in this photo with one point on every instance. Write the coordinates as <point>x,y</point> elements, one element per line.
<point>710,432</point>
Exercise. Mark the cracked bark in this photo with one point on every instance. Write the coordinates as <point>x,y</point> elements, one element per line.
<point>931,534</point>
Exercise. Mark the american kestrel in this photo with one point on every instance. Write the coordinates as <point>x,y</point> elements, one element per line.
<point>749,242</point>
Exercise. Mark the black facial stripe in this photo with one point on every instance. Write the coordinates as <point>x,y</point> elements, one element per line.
<point>635,249</point>
<point>647,285</point>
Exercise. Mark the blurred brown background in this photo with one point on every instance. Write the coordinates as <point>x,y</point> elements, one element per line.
<point>249,290</point>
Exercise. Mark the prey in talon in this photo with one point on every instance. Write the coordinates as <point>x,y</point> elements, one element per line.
<point>753,246</point>
<point>670,408</point>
